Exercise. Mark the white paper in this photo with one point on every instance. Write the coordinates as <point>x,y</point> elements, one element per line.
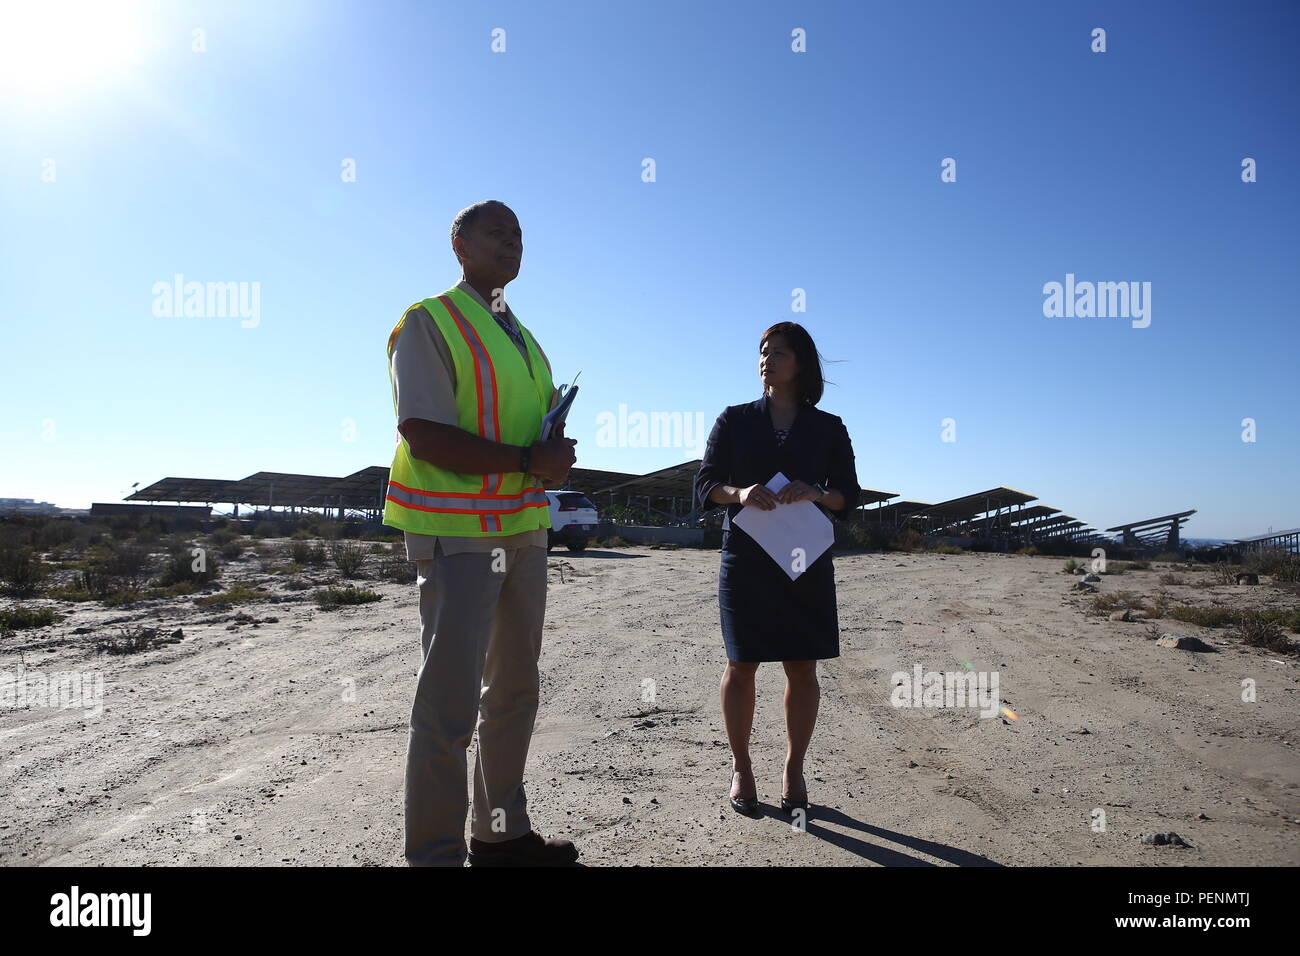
<point>795,534</point>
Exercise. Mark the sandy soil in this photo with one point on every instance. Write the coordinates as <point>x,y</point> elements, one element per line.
<point>284,742</point>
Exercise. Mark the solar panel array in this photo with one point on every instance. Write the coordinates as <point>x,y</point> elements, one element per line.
<point>668,493</point>
<point>363,490</point>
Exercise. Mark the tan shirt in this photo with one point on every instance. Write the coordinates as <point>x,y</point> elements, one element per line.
<point>424,386</point>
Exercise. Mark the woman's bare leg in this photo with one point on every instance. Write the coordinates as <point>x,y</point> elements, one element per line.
<point>802,697</point>
<point>737,692</point>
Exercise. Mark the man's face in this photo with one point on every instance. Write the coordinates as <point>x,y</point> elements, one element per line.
<point>492,248</point>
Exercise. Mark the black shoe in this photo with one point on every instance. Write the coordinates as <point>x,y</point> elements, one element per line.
<point>531,849</point>
<point>746,805</point>
<point>789,804</point>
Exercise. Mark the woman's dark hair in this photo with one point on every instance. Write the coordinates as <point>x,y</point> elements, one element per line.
<point>796,336</point>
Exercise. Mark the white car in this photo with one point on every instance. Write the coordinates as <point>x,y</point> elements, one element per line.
<point>573,520</point>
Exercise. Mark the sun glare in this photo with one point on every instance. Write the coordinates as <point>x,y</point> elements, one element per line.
<point>51,47</point>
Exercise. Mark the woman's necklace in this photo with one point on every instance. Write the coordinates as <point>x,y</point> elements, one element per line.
<point>783,433</point>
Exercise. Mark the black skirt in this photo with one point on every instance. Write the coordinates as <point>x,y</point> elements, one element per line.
<point>768,617</point>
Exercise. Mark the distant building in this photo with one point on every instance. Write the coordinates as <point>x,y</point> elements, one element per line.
<point>29,506</point>
<point>100,509</point>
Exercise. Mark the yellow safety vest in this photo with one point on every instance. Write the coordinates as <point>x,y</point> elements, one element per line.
<point>496,398</point>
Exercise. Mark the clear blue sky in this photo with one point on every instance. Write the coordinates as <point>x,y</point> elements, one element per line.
<point>775,170</point>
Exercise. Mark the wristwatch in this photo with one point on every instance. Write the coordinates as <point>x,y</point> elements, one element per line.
<point>525,453</point>
<point>824,493</point>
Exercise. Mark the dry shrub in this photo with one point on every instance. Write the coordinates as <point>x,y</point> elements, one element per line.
<point>1257,630</point>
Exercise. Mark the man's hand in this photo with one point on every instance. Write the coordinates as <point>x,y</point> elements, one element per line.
<point>551,459</point>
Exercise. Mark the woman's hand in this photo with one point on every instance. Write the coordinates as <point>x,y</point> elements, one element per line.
<point>798,491</point>
<point>758,496</point>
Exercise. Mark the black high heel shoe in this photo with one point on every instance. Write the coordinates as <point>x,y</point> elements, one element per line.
<point>788,804</point>
<point>746,805</point>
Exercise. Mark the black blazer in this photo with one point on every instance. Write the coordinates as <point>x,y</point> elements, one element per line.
<point>742,451</point>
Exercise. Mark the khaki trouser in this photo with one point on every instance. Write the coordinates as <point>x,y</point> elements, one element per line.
<point>481,637</point>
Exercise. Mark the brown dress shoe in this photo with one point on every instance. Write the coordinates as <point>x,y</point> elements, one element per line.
<point>531,849</point>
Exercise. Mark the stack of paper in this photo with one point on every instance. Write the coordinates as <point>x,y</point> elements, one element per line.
<point>795,534</point>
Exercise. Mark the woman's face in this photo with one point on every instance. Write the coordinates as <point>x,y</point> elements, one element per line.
<point>776,362</point>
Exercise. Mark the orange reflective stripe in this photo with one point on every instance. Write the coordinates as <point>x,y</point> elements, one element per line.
<point>465,494</point>
<point>467,503</point>
<point>488,399</point>
<point>482,368</point>
<point>469,511</point>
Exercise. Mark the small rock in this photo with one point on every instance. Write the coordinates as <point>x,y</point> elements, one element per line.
<point>1164,839</point>
<point>1128,614</point>
<point>1247,578</point>
<point>1183,643</point>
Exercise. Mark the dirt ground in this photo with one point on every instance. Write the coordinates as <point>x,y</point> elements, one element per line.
<point>284,742</point>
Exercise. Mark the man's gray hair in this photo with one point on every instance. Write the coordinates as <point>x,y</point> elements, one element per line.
<point>465,218</point>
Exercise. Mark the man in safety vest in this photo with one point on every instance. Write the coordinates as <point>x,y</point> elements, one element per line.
<point>470,388</point>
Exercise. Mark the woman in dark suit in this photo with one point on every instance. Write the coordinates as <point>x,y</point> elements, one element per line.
<point>766,616</point>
